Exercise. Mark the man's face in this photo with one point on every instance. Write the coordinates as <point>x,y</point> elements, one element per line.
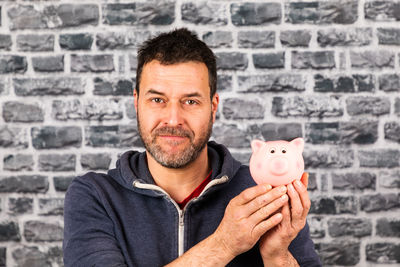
<point>174,111</point>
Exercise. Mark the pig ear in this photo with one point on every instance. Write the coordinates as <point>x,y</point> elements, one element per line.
<point>256,145</point>
<point>299,143</point>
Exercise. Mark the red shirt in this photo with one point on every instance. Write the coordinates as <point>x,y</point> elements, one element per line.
<point>196,192</point>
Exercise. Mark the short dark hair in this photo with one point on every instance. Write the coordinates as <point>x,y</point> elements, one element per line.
<point>177,46</point>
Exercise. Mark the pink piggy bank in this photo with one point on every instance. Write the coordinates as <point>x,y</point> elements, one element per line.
<point>277,162</point>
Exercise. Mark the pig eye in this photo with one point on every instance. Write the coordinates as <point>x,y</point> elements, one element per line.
<point>283,150</point>
<point>272,150</point>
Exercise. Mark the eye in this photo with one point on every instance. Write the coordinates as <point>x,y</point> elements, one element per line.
<point>157,100</point>
<point>191,102</point>
<point>272,150</point>
<point>283,150</point>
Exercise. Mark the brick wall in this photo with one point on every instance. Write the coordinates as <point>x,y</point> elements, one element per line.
<point>325,70</point>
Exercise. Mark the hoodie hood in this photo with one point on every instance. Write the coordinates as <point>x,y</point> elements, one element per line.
<point>132,166</point>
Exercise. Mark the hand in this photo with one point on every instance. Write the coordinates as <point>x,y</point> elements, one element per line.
<point>275,242</point>
<point>250,215</point>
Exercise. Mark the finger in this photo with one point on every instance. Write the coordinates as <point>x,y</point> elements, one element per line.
<point>266,225</point>
<point>295,203</point>
<point>268,210</point>
<point>251,193</point>
<point>286,219</point>
<point>304,179</point>
<point>264,199</point>
<point>305,199</point>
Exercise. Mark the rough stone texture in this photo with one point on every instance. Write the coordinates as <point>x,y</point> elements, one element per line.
<point>203,12</point>
<point>130,109</point>
<point>57,163</point>
<point>18,162</point>
<point>248,109</point>
<point>335,158</point>
<point>231,61</point>
<point>397,107</point>
<point>114,87</point>
<point>216,39</point>
<point>281,131</point>
<point>112,136</point>
<point>313,60</point>
<point>333,205</point>
<point>95,161</point>
<point>389,82</point>
<point>317,227</point>
<point>256,39</point>
<point>344,83</point>
<point>3,258</point>
<point>380,158</point>
<point>380,202</point>
<point>120,40</point>
<point>37,43</point>
<point>13,137</point>
<point>48,86</point>
<point>323,12</point>
<point>230,135</point>
<point>24,184</point>
<point>12,64</point>
<point>245,14</point>
<point>144,13</point>
<point>295,38</point>
<point>362,105</point>
<point>269,60</point>
<point>5,42</point>
<point>392,131</point>
<point>307,107</point>
<point>271,83</point>
<point>349,227</point>
<point>92,63</point>
<point>339,252</point>
<point>372,59</point>
<point>23,205</point>
<point>382,10</point>
<point>30,257</point>
<point>92,109</point>
<point>61,183</point>
<point>388,227</point>
<point>52,206</point>
<point>345,37</point>
<point>20,112</point>
<point>388,36</point>
<point>48,64</point>
<point>383,253</point>
<point>79,41</point>
<point>9,231</point>
<point>56,137</point>
<point>354,181</point>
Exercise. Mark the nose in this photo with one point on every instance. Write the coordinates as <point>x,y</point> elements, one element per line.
<point>173,115</point>
<point>279,166</point>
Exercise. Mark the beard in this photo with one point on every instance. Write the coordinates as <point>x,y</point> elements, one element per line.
<point>180,158</point>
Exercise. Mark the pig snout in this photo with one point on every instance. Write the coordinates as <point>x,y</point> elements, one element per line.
<point>279,166</point>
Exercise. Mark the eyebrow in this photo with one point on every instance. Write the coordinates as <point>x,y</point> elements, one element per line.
<point>152,91</point>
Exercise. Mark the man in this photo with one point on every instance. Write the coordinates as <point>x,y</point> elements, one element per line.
<point>184,201</point>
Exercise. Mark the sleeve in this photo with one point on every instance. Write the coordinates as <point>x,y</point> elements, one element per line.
<point>88,231</point>
<point>302,249</point>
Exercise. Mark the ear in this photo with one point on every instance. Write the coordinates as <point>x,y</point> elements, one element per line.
<point>299,143</point>
<point>256,145</point>
<point>214,105</point>
<point>135,97</point>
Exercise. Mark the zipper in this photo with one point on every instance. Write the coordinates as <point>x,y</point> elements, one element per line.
<point>181,213</point>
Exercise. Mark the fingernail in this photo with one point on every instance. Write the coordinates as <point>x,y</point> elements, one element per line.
<point>298,184</point>
<point>291,188</point>
<point>268,187</point>
<point>284,197</point>
<point>282,189</point>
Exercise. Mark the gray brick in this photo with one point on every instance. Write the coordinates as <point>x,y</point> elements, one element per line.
<point>87,109</point>
<point>361,105</point>
<point>397,106</point>
<point>121,40</point>
<point>9,231</point>
<point>344,83</point>
<point>256,39</point>
<point>3,250</point>
<point>3,87</point>
<point>389,82</point>
<point>153,12</point>
<point>383,253</point>
<point>77,15</point>
<point>354,181</point>
<point>345,37</point>
<point>244,158</point>
<point>372,59</point>
<point>5,42</point>
<point>281,131</point>
<point>35,42</point>
<point>14,111</point>
<point>316,106</point>
<point>50,137</point>
<point>78,41</point>
<point>356,227</point>
<point>20,206</point>
<point>203,12</point>
<point>133,62</point>
<point>130,109</point>
<point>117,87</point>
<point>112,136</point>
<point>295,38</point>
<point>217,39</point>
<point>389,179</point>
<point>334,158</point>
<point>18,162</point>
<point>379,202</point>
<point>358,132</point>
<point>231,61</point>
<point>245,14</point>
<point>269,60</point>
<point>317,226</point>
<point>313,60</point>
<point>271,83</point>
<point>248,109</point>
<point>51,206</point>
<point>38,231</point>
<point>96,161</point>
<point>392,131</point>
<point>55,254</point>
<point>231,136</point>
<point>48,64</point>
<point>382,10</point>
<point>224,83</point>
<point>13,137</point>
<point>323,12</point>
<point>339,252</point>
<point>92,63</point>
<point>57,163</point>
<point>388,227</point>
<point>388,36</point>
<point>333,205</point>
<point>30,256</point>
<point>24,184</point>
<point>12,64</point>
<point>61,183</point>
<point>26,17</point>
<point>379,158</point>
<point>48,86</point>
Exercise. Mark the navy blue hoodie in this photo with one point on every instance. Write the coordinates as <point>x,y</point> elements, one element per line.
<point>123,219</point>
